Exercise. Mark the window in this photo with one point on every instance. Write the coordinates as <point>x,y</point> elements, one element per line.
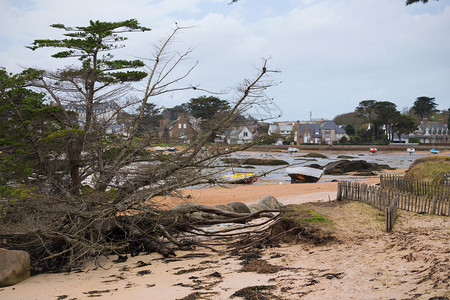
<point>245,133</point>
<point>179,126</point>
<point>327,132</point>
<point>182,134</point>
<point>184,126</point>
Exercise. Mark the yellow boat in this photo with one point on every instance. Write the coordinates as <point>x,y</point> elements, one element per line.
<point>240,178</point>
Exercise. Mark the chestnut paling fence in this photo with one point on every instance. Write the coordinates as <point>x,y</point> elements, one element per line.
<point>388,198</point>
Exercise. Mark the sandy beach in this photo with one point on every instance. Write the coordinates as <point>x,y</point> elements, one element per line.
<point>364,262</point>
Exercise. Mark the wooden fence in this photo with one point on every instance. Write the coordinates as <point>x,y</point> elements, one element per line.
<point>390,199</point>
<point>402,183</point>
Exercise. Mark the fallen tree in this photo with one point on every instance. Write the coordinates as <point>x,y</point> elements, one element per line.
<point>49,211</point>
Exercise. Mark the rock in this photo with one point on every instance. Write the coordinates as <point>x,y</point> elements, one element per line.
<point>224,207</point>
<point>256,161</point>
<point>258,207</point>
<point>14,266</point>
<point>239,207</point>
<point>271,202</point>
<point>315,166</point>
<point>315,155</point>
<point>345,166</point>
<point>185,208</point>
<point>346,157</point>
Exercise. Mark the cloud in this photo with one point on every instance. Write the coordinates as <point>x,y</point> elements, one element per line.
<point>332,53</point>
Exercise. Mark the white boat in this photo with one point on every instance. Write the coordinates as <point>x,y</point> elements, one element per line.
<point>304,174</point>
<point>434,151</point>
<point>159,148</point>
<point>410,150</point>
<point>292,149</point>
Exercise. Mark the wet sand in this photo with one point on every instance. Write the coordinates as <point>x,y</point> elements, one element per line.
<point>366,263</point>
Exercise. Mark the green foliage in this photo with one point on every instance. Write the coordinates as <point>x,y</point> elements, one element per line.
<point>409,2</point>
<point>25,120</point>
<point>424,106</point>
<point>88,42</point>
<point>350,129</point>
<point>207,107</point>
<point>404,124</point>
<point>151,119</point>
<point>306,215</point>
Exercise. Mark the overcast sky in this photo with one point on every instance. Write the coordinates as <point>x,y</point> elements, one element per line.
<point>332,54</point>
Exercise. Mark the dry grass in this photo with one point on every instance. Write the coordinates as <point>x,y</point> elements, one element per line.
<point>428,168</point>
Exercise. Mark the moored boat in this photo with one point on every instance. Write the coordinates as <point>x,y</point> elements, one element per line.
<point>434,151</point>
<point>240,178</point>
<point>410,150</point>
<point>292,149</point>
<point>373,150</point>
<point>304,174</point>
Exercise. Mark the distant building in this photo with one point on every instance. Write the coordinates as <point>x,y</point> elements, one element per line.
<point>104,114</point>
<point>181,129</point>
<point>239,135</point>
<point>431,132</point>
<point>282,128</point>
<point>313,132</point>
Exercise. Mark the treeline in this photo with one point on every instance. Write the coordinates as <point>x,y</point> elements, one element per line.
<point>202,108</point>
<point>378,122</point>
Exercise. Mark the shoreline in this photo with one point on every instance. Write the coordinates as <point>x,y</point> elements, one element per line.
<point>366,262</point>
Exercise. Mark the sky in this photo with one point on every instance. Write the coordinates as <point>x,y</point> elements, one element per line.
<point>331,54</point>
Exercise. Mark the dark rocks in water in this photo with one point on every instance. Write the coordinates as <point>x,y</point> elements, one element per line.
<point>345,166</point>
<point>256,161</point>
<point>315,166</point>
<point>315,155</point>
<point>248,167</point>
<point>346,157</point>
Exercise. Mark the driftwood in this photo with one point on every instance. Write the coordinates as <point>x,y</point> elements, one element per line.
<point>65,240</point>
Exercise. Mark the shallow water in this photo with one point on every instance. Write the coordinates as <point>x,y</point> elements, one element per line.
<point>394,160</point>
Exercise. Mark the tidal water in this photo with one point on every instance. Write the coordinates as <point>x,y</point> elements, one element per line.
<point>277,175</point>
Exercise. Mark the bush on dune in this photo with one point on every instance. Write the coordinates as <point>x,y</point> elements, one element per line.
<point>428,168</point>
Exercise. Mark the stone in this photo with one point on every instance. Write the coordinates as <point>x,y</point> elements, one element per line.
<point>271,202</point>
<point>14,266</point>
<point>224,207</point>
<point>239,207</point>
<point>258,207</point>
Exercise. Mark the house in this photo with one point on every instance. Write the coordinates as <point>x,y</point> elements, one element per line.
<point>313,132</point>
<point>180,129</point>
<point>239,135</point>
<point>103,113</point>
<point>431,132</point>
<point>281,128</point>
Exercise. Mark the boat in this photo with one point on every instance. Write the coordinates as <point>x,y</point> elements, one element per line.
<point>240,178</point>
<point>172,149</point>
<point>304,174</point>
<point>160,149</point>
<point>373,150</point>
<point>434,151</point>
<point>292,149</point>
<point>410,150</point>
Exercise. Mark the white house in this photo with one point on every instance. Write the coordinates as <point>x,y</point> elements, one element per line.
<point>431,132</point>
<point>239,135</point>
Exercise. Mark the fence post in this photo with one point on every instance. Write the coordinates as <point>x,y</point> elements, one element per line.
<point>339,191</point>
<point>433,206</point>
